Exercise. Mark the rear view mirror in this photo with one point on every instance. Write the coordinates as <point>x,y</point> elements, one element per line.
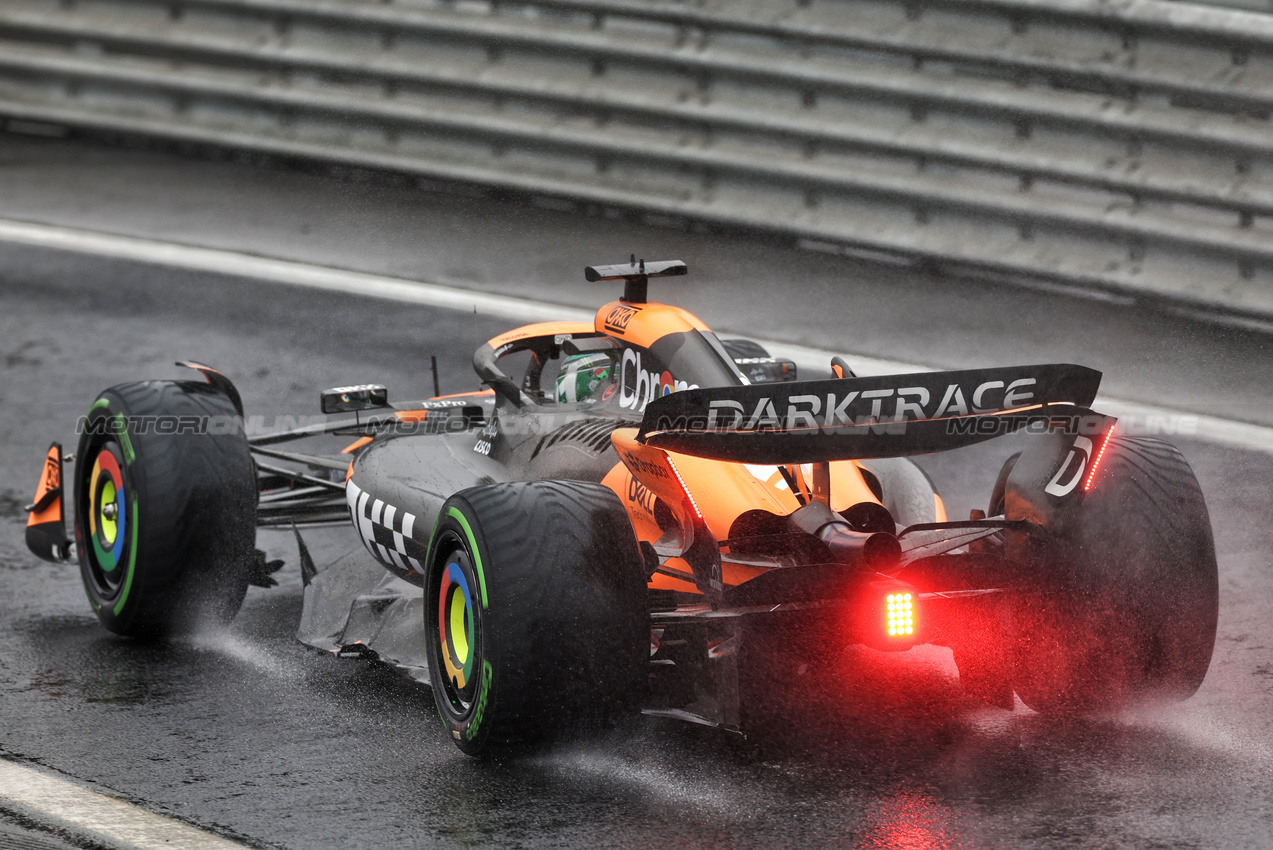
<point>351,399</point>
<point>766,370</point>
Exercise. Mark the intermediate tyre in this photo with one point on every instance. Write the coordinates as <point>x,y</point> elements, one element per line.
<point>536,617</point>
<point>165,508</point>
<point>998,494</point>
<point>1131,617</point>
<point>905,490</point>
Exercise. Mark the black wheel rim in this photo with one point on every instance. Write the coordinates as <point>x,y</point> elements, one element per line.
<point>109,506</point>
<point>456,628</point>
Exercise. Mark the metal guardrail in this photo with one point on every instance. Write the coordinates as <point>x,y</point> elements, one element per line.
<point>1123,145</point>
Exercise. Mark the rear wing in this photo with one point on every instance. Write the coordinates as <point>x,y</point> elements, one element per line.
<point>855,418</point>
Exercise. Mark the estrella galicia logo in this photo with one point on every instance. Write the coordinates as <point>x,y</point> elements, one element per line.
<point>618,317</point>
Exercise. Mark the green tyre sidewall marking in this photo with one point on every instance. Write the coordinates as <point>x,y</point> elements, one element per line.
<point>483,694</point>
<point>132,562</point>
<point>120,431</point>
<point>459,517</point>
<point>471,729</point>
<point>124,441</point>
<point>488,673</point>
<point>104,404</point>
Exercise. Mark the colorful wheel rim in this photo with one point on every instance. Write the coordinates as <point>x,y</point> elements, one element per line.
<point>108,515</point>
<point>457,631</point>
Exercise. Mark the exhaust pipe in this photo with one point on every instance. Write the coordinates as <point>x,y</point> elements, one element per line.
<point>877,550</point>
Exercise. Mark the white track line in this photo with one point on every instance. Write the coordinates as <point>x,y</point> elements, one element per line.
<point>289,272</point>
<point>1140,418</point>
<point>96,817</point>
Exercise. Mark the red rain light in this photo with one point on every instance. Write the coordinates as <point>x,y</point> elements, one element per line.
<point>685,490</point>
<point>1100,453</point>
<point>899,615</point>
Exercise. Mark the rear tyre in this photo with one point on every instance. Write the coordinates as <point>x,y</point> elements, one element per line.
<point>536,617</point>
<point>1132,618</point>
<point>997,495</point>
<point>165,508</point>
<point>905,489</point>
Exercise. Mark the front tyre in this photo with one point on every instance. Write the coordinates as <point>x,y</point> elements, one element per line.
<point>535,613</point>
<point>165,508</point>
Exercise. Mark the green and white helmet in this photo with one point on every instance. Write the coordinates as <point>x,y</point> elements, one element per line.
<point>583,376</point>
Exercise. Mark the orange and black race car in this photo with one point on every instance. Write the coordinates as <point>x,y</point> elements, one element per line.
<point>635,515</point>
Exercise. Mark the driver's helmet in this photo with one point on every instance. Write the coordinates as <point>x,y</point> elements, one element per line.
<point>584,376</point>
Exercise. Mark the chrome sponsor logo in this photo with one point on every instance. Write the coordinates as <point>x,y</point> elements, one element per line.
<point>639,386</point>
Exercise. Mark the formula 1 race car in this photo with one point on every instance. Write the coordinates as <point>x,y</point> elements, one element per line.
<point>648,518</point>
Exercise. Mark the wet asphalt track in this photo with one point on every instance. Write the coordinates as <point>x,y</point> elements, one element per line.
<point>249,734</point>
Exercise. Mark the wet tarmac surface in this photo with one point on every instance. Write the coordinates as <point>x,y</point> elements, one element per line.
<point>248,733</point>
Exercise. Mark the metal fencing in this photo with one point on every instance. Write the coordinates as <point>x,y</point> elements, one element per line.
<point>1124,145</point>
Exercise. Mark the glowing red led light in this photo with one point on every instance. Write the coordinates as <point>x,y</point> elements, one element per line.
<point>685,489</point>
<point>899,615</point>
<point>1100,453</point>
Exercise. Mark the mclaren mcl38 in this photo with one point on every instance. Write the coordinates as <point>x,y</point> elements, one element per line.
<point>632,515</point>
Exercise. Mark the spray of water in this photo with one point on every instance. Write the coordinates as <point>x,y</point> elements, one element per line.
<point>663,783</point>
<point>224,641</point>
<point>1203,727</point>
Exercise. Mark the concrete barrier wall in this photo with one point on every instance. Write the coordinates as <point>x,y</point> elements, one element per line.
<point>1124,146</point>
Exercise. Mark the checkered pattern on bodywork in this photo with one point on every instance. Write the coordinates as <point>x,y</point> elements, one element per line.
<point>387,531</point>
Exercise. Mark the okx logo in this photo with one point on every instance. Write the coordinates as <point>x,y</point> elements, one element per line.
<point>618,317</point>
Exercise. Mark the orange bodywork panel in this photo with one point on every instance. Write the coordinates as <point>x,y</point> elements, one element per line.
<point>48,501</point>
<point>848,487</point>
<point>644,324</point>
<point>718,491</point>
<point>639,500</point>
<point>470,394</point>
<point>647,474</point>
<point>539,329</point>
<point>651,467</point>
<point>46,528</point>
<point>355,445</point>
